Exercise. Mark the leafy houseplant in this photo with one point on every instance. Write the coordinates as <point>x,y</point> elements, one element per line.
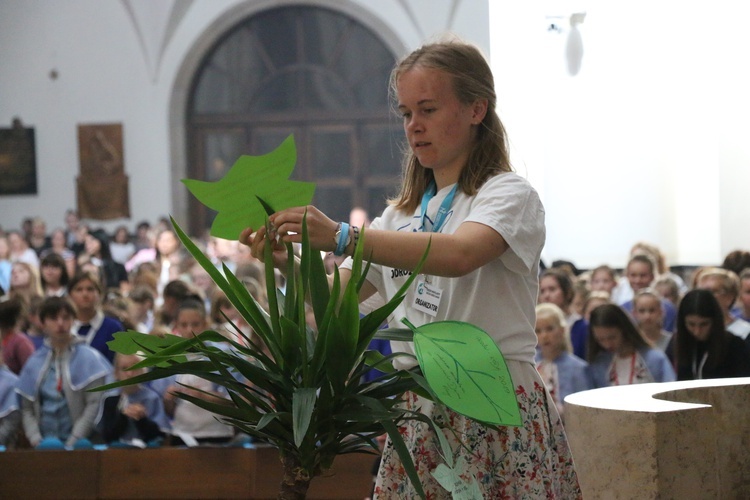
<point>299,390</point>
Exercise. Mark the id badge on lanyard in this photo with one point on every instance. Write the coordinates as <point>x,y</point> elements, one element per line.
<point>427,296</point>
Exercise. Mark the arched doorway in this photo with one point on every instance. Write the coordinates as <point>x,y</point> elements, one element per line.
<point>306,70</point>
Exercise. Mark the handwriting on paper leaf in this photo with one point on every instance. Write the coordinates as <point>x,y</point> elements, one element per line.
<point>467,371</point>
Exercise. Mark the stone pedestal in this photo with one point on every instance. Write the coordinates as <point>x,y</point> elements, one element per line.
<point>671,440</point>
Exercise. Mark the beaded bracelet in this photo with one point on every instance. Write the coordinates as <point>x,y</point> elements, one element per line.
<point>355,239</point>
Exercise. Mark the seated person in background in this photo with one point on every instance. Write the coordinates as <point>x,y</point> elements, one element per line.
<point>579,332</point>
<point>16,346</point>
<point>34,328</point>
<point>702,348</point>
<point>603,279</point>
<point>54,275</point>
<point>556,287</point>
<point>581,293</point>
<point>192,424</point>
<point>647,312</point>
<point>742,308</point>
<point>10,413</point>
<point>563,373</point>
<point>668,289</point>
<point>91,323</point>
<point>143,301</point>
<point>54,383</point>
<point>619,355</point>
<point>133,414</point>
<point>641,271</point>
<point>725,286</point>
<point>174,294</point>
<point>736,261</point>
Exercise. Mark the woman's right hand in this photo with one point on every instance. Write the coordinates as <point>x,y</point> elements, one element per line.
<point>256,241</point>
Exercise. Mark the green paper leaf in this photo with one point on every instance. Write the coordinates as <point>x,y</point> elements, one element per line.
<point>467,371</point>
<point>235,196</point>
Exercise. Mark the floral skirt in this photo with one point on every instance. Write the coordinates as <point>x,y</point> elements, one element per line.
<point>532,461</point>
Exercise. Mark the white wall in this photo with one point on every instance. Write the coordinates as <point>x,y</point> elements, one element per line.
<point>123,61</point>
<point>648,142</point>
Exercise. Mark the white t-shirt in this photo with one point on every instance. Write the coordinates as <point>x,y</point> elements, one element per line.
<point>193,420</point>
<point>500,298</point>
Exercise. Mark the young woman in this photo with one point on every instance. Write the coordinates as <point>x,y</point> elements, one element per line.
<point>97,252</point>
<point>742,308</point>
<point>121,246</point>
<point>641,272</point>
<point>603,279</point>
<point>579,331</point>
<point>563,372</point>
<point>5,265</point>
<point>20,250</point>
<point>191,424</point>
<point>556,287</point>
<point>54,383</point>
<point>725,285</point>
<point>134,412</point>
<point>59,246</point>
<point>702,348</point>
<point>25,281</point>
<point>91,323</point>
<point>647,312</point>
<point>16,346</point>
<point>618,353</point>
<point>54,274</point>
<point>486,225</point>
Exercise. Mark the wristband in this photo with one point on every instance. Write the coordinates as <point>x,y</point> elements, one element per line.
<point>343,238</point>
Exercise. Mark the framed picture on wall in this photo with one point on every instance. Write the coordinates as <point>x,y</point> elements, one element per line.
<point>17,160</point>
<point>102,186</point>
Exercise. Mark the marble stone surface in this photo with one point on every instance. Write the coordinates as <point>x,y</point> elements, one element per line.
<point>670,440</point>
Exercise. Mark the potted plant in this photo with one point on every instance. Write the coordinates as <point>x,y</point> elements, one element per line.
<point>297,389</point>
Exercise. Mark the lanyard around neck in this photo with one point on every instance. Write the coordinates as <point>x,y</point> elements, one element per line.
<point>445,206</point>
<point>613,374</point>
<point>698,367</point>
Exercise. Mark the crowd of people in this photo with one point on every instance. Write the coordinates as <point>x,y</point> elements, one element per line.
<point>600,328</point>
<point>67,292</point>
<point>63,296</point>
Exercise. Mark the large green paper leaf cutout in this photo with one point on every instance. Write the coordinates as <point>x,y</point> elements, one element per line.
<point>467,371</point>
<point>235,196</point>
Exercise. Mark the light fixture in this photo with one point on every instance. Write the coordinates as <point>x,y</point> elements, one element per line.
<point>573,41</point>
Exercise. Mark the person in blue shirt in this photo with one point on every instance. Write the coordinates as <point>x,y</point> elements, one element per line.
<point>619,355</point>
<point>55,381</point>
<point>562,371</point>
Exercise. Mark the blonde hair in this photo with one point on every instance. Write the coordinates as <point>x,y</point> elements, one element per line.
<point>730,282</point>
<point>551,311</point>
<point>472,81</point>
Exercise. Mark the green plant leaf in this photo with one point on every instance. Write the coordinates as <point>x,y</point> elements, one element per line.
<point>467,371</point>
<point>235,196</point>
<point>235,291</point>
<point>125,342</point>
<point>400,446</point>
<point>303,405</point>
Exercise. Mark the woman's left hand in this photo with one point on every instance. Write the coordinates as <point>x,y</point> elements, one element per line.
<point>320,229</point>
